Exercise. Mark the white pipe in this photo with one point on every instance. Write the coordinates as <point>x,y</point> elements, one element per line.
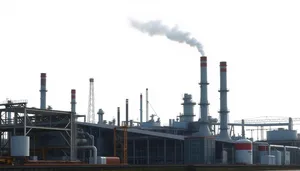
<point>90,147</point>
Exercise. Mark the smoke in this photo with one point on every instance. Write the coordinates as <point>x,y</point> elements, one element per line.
<point>155,27</point>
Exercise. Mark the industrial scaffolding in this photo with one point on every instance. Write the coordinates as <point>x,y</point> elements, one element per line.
<point>17,119</point>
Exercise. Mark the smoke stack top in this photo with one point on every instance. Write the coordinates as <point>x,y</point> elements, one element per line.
<point>203,60</point>
<point>43,75</point>
<point>223,66</point>
<point>73,93</point>
<point>155,27</point>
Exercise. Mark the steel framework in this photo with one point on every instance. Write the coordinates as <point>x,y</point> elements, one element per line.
<point>91,108</point>
<point>121,143</point>
<point>23,120</point>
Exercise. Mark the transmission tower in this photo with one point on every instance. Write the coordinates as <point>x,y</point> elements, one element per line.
<point>91,111</point>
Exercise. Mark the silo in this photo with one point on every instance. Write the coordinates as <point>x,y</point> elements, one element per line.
<point>243,152</point>
<point>19,146</point>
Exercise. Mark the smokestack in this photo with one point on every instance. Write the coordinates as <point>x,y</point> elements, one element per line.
<point>141,108</point>
<point>118,115</point>
<point>147,105</point>
<point>73,150</point>
<point>126,124</point>
<point>243,129</point>
<point>43,91</point>
<point>73,101</point>
<point>204,127</point>
<point>223,103</point>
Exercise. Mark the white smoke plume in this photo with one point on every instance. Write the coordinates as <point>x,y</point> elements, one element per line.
<point>155,27</point>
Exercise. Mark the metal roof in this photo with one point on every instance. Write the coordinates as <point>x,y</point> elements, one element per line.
<point>136,130</point>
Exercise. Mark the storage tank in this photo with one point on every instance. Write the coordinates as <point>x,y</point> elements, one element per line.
<point>243,152</point>
<point>110,160</point>
<point>19,146</point>
<point>268,160</point>
<point>277,155</point>
<point>263,150</point>
<point>224,157</point>
<point>281,134</point>
<point>287,158</point>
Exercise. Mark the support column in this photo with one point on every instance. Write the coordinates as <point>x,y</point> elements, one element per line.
<point>181,146</point>
<point>148,151</point>
<point>165,151</point>
<point>175,151</point>
<point>25,118</point>
<point>133,148</point>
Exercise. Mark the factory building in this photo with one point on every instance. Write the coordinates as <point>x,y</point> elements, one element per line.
<point>36,135</point>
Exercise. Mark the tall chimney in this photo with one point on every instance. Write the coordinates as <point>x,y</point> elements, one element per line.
<point>141,108</point>
<point>223,103</point>
<point>73,150</point>
<point>126,124</point>
<point>43,91</point>
<point>73,101</point>
<point>204,127</point>
<point>147,105</point>
<point>118,116</point>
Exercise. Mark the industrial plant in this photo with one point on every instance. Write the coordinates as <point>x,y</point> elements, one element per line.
<point>45,136</point>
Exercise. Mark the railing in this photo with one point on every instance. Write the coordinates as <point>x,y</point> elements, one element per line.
<point>14,102</point>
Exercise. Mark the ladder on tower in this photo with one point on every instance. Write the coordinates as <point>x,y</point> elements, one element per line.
<point>120,143</point>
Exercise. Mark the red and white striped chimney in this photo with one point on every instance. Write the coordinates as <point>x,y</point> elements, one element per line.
<point>223,103</point>
<point>204,127</point>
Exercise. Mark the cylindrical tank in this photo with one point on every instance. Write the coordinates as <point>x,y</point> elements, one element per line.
<point>277,155</point>
<point>110,160</point>
<point>281,134</point>
<point>263,149</point>
<point>19,146</point>
<point>243,152</point>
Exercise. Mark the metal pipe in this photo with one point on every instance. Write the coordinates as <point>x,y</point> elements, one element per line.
<point>223,102</point>
<point>93,148</point>
<point>126,124</point>
<point>118,115</point>
<point>43,91</point>
<point>204,125</point>
<point>147,105</point>
<point>92,138</point>
<point>141,108</point>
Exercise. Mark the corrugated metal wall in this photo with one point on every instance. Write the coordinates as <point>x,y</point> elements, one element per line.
<point>199,150</point>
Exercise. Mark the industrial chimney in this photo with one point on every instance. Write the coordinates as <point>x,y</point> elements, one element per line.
<point>43,91</point>
<point>147,105</point>
<point>73,101</point>
<point>118,116</point>
<point>223,103</point>
<point>73,149</point>
<point>204,127</point>
<point>126,108</point>
<point>141,108</point>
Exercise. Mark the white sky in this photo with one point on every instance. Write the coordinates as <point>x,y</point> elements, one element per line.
<point>74,40</point>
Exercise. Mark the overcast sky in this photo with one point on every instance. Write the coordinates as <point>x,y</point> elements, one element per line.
<point>74,40</point>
